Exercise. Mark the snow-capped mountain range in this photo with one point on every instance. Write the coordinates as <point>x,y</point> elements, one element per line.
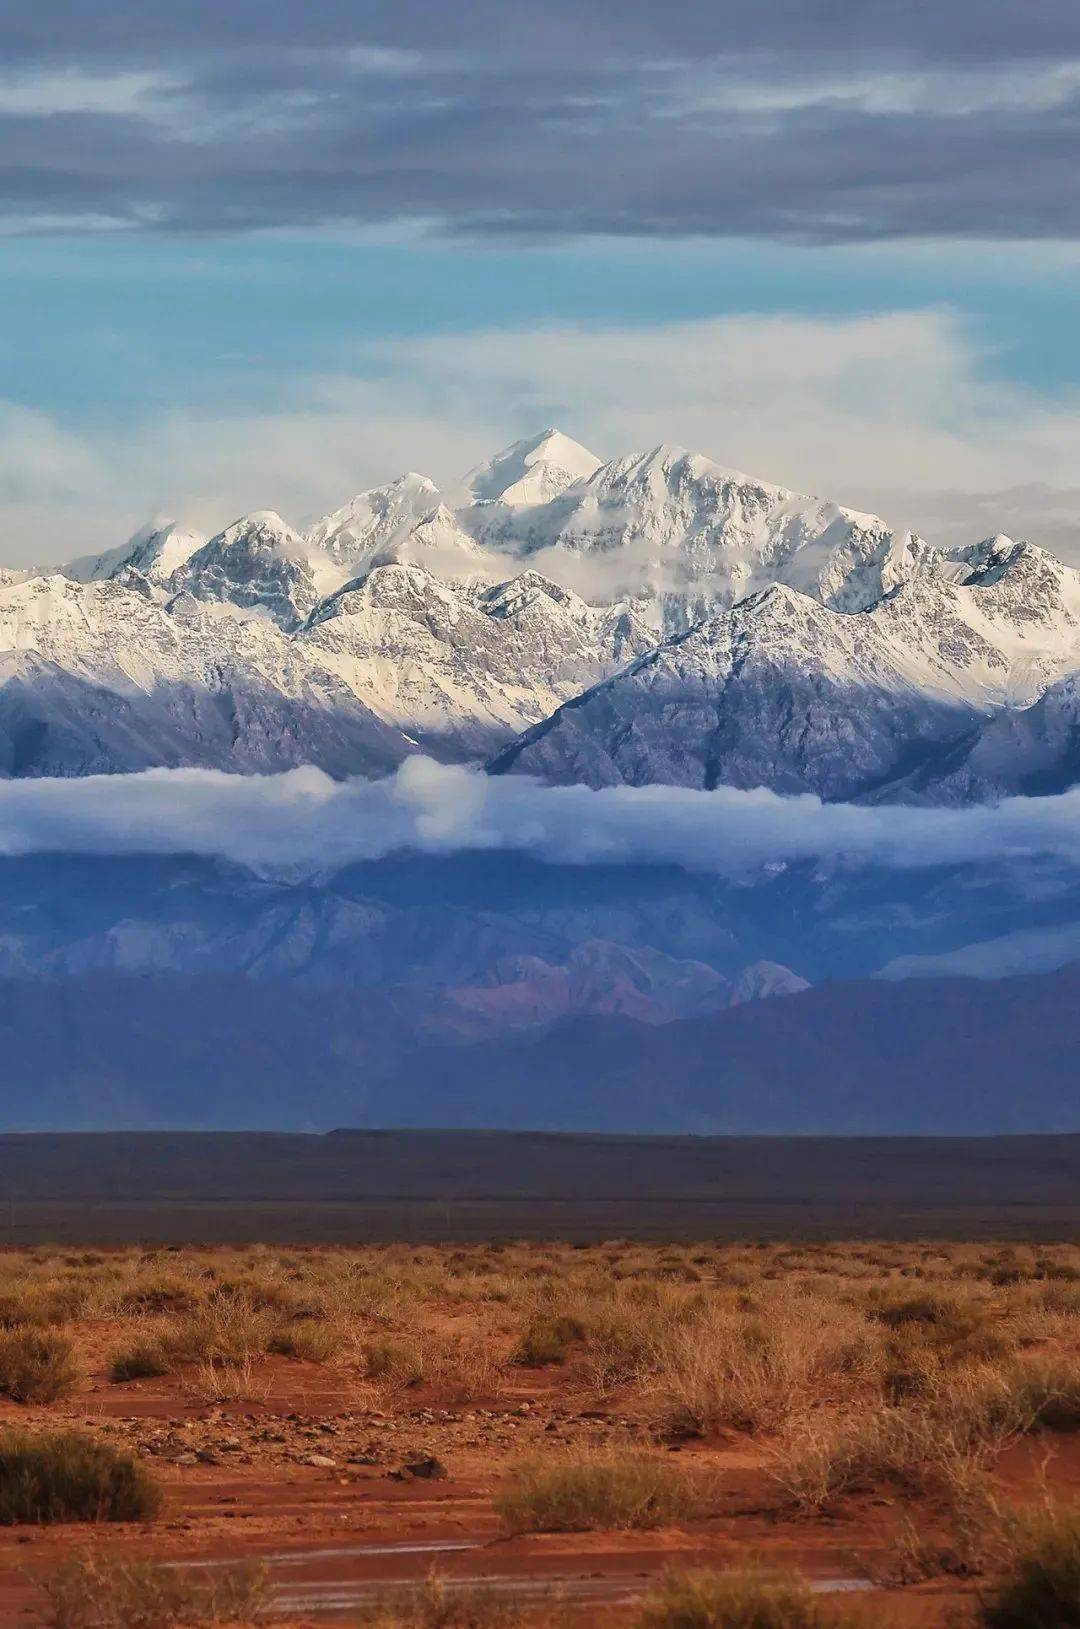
<point>653,618</point>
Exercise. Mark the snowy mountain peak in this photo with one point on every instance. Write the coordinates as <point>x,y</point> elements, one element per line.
<point>532,471</point>
<point>399,520</point>
<point>706,627</point>
<point>510,598</point>
<point>259,565</point>
<point>668,468</point>
<point>264,526</point>
<point>155,551</point>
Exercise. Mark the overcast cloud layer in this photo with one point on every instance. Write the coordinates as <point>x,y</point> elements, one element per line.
<point>303,822</point>
<point>824,120</point>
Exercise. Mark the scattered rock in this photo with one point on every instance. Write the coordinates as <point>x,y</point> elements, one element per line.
<point>427,1468</point>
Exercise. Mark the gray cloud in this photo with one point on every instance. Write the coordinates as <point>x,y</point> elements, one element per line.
<point>302,822</point>
<point>825,121</point>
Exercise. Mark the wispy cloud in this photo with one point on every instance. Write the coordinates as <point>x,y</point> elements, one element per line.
<point>889,413</point>
<point>304,822</point>
<point>46,92</point>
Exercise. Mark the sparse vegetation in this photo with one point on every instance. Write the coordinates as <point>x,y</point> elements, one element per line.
<point>878,1382</point>
<point>66,1476</point>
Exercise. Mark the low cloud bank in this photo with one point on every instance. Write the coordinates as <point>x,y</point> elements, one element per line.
<point>304,822</point>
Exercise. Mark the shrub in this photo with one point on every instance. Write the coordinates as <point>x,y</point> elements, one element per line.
<point>931,1329</point>
<point>730,1600</point>
<point>308,1338</point>
<point>227,1329</point>
<point>752,1369</point>
<point>42,1302</point>
<point>1041,1585</point>
<point>1047,1391</point>
<point>66,1476</point>
<point>461,1367</point>
<point>221,1382</point>
<point>547,1340</point>
<point>159,1292</point>
<point>97,1592</point>
<point>392,1361</point>
<point>36,1365</point>
<point>599,1491</point>
<point>944,1448</point>
<point>141,1361</point>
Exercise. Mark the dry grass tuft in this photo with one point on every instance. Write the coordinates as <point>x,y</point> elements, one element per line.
<point>142,1360</point>
<point>917,1450</point>
<point>701,1599</point>
<point>309,1339</point>
<point>445,1604</point>
<point>548,1339</point>
<point>99,1592</point>
<point>753,1369</point>
<point>37,1365</point>
<point>221,1382</point>
<point>600,1491</point>
<point>228,1329</point>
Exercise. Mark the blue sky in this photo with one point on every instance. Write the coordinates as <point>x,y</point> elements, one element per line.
<point>100,324</point>
<point>256,257</point>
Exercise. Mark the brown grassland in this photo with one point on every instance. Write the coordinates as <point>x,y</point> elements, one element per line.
<point>773,1436</point>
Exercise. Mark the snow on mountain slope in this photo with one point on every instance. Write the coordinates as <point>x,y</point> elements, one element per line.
<point>461,674</point>
<point>785,693</point>
<point>532,471</point>
<point>1034,751</point>
<point>678,535</point>
<point>97,678</point>
<point>394,660</point>
<point>260,565</point>
<point>156,553</point>
<point>794,642</point>
<point>404,521</point>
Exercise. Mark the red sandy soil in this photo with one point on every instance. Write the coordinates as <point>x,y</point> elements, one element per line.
<point>239,1485</point>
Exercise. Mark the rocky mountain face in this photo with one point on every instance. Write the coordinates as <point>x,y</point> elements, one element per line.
<point>490,989</point>
<point>656,618</point>
<point>106,1051</point>
<point>526,993</point>
<point>493,931</point>
<point>782,691</point>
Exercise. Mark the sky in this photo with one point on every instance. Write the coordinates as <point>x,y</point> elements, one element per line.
<point>259,256</point>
